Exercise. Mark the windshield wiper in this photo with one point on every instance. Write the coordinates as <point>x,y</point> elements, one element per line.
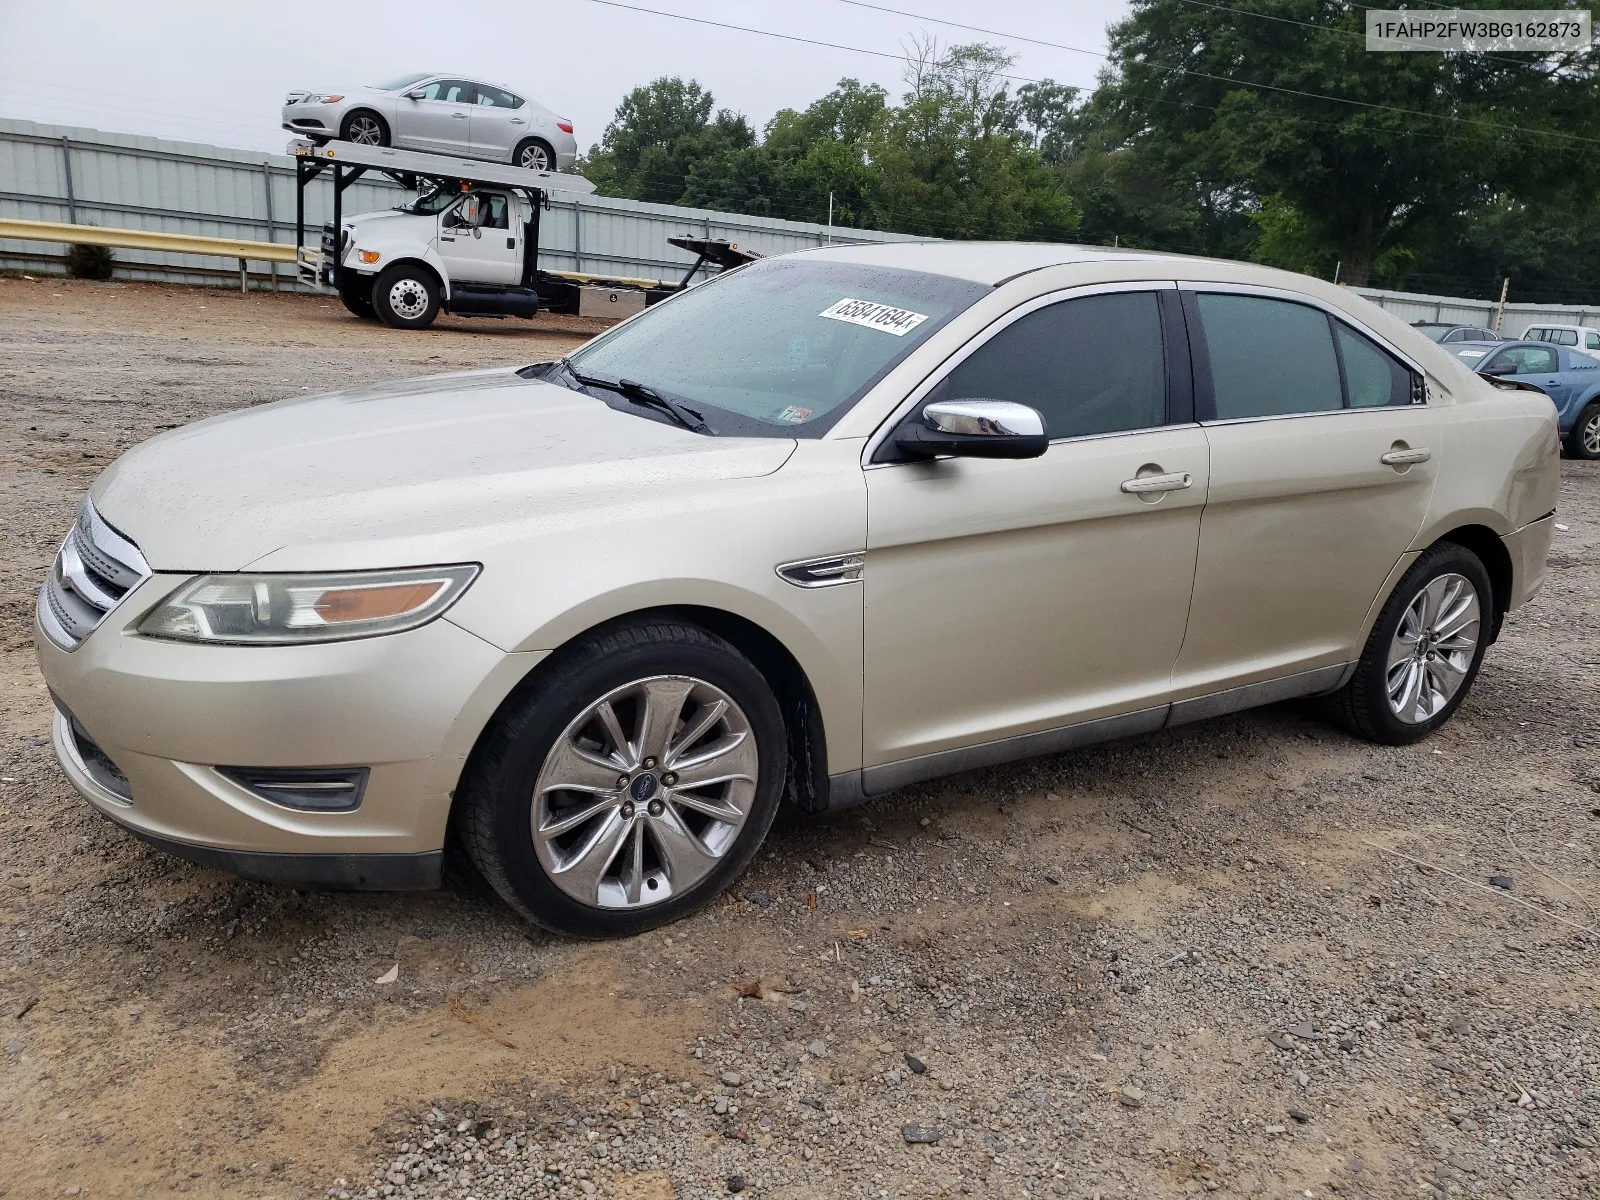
<point>645,397</point>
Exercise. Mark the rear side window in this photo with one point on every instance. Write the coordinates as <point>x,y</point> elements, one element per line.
<point>1563,337</point>
<point>493,97</point>
<point>1268,357</point>
<point>1372,377</point>
<point>1091,365</point>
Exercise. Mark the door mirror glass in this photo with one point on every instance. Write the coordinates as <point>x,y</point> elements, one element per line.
<point>470,212</point>
<point>974,429</point>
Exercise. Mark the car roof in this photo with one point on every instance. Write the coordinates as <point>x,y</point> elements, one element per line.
<point>996,262</point>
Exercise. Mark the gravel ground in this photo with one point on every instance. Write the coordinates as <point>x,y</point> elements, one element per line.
<point>1251,956</point>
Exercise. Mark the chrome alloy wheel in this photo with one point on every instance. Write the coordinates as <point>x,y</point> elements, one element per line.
<point>365,131</point>
<point>1589,435</point>
<point>644,792</point>
<point>408,299</point>
<point>1433,648</point>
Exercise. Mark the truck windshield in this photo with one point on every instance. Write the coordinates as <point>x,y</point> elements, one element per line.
<point>780,348</point>
<point>428,203</point>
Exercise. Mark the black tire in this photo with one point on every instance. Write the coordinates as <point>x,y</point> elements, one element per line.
<point>530,149</point>
<point>1584,439</point>
<point>359,302</point>
<point>495,802</point>
<point>1362,705</point>
<point>357,123</point>
<point>406,296</point>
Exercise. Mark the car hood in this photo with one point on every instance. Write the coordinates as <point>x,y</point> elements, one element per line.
<point>421,471</point>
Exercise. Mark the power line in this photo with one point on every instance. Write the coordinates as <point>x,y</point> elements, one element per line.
<point>1268,87</point>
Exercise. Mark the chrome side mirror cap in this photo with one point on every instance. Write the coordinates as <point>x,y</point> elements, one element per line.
<point>974,428</point>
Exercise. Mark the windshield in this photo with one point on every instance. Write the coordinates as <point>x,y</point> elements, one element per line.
<point>394,85</point>
<point>780,348</point>
<point>428,203</point>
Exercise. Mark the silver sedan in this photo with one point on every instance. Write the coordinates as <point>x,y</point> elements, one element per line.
<point>440,114</point>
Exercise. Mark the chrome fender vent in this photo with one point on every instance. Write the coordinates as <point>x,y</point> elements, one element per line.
<point>94,570</point>
<point>824,572</point>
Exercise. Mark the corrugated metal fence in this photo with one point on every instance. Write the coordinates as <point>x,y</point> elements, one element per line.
<point>1411,306</point>
<point>60,173</point>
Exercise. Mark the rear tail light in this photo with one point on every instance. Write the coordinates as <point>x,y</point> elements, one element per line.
<point>564,126</point>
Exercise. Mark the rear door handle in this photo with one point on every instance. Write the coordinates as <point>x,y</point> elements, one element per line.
<point>1403,458</point>
<point>1146,484</point>
<point>458,116</point>
<point>518,121</point>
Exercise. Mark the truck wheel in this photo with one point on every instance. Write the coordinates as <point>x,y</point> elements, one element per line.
<point>365,128</point>
<point>1584,440</point>
<point>358,301</point>
<point>406,296</point>
<point>532,154</point>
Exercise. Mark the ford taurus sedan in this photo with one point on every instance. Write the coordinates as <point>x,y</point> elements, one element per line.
<point>820,528</point>
<point>441,114</point>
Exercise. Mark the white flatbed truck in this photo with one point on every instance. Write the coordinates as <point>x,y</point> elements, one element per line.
<point>468,244</point>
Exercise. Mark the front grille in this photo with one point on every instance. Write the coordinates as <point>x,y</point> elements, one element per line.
<point>95,568</point>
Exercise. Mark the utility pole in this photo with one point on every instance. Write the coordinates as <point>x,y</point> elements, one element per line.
<point>1500,311</point>
<point>1337,264</point>
<point>830,218</point>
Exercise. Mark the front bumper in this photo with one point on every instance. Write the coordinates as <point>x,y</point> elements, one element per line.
<point>408,706</point>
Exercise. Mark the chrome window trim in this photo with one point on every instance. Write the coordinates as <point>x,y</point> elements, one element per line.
<point>938,374</point>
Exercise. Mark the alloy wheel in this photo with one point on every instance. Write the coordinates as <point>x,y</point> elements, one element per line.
<point>1589,437</point>
<point>365,131</point>
<point>645,792</point>
<point>534,158</point>
<point>408,299</point>
<point>1433,648</point>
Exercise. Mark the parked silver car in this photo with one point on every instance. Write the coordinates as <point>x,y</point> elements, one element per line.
<point>441,114</point>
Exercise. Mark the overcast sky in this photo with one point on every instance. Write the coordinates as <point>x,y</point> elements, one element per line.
<point>217,72</point>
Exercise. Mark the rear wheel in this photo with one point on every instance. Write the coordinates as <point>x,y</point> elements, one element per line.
<point>364,128</point>
<point>1584,440</point>
<point>1423,653</point>
<point>406,296</point>
<point>632,783</point>
<point>533,154</point>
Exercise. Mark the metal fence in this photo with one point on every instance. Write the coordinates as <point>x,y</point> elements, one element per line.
<point>1412,306</point>
<point>61,173</point>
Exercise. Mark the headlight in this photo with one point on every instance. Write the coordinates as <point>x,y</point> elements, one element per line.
<point>323,99</point>
<point>293,609</point>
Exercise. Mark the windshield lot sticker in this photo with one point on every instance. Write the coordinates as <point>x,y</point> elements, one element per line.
<point>794,414</point>
<point>898,321</point>
<point>1471,353</point>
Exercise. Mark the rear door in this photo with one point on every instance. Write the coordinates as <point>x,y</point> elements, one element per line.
<point>1323,460</point>
<point>497,123</point>
<point>440,122</point>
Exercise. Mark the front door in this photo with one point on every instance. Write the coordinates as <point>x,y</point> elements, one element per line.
<point>479,241</point>
<point>440,122</point>
<point>1006,598</point>
<point>1322,467</point>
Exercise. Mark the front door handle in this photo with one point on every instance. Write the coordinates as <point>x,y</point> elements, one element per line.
<point>1145,484</point>
<point>1404,458</point>
<point>458,116</point>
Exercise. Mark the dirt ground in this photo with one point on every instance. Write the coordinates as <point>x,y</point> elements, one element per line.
<point>1251,956</point>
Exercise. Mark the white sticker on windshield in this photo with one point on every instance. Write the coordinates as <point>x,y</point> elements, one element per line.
<point>1471,353</point>
<point>882,317</point>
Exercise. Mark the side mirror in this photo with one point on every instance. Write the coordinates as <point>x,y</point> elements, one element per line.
<point>974,429</point>
<point>416,94</point>
<point>1504,368</point>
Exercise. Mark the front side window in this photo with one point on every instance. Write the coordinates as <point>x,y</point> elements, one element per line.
<point>450,91</point>
<point>495,206</point>
<point>1090,365</point>
<point>780,348</point>
<point>1523,360</point>
<point>1591,341</point>
<point>1372,377</point>
<point>1268,357</point>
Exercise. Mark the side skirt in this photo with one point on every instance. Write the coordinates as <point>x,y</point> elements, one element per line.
<point>855,787</point>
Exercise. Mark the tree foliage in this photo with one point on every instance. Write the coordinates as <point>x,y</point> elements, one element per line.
<point>1252,129</point>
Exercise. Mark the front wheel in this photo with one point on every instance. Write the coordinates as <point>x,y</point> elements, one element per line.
<point>1423,653</point>
<point>364,129</point>
<point>1584,440</point>
<point>630,784</point>
<point>406,296</point>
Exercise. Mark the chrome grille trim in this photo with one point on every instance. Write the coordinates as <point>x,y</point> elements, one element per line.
<point>94,570</point>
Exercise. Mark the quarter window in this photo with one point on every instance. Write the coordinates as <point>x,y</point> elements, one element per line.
<point>1268,357</point>
<point>1372,378</point>
<point>1091,365</point>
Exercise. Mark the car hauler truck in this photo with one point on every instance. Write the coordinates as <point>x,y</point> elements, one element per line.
<point>468,243</point>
